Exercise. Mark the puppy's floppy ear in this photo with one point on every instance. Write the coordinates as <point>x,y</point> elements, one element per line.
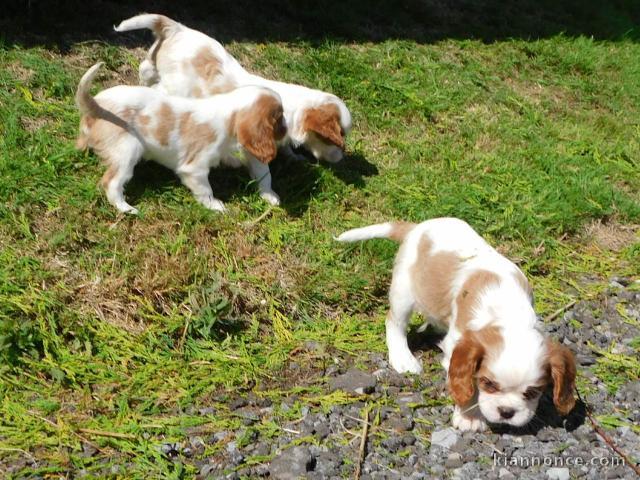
<point>562,368</point>
<point>464,363</point>
<point>325,121</point>
<point>254,129</point>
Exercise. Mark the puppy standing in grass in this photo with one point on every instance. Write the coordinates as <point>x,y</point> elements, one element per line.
<point>186,62</point>
<point>124,124</point>
<point>498,363</point>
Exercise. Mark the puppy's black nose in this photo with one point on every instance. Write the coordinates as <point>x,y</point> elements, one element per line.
<point>506,413</point>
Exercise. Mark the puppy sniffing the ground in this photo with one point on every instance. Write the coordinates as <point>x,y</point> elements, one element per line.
<point>125,124</point>
<point>185,62</point>
<point>498,363</point>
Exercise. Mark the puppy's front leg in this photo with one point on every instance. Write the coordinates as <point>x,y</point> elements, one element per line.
<point>198,183</point>
<point>401,303</point>
<point>262,175</point>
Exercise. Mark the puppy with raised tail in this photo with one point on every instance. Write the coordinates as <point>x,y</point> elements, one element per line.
<point>186,62</point>
<point>125,124</point>
<point>498,362</point>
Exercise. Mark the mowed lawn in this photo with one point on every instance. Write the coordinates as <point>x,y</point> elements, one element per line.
<point>130,324</point>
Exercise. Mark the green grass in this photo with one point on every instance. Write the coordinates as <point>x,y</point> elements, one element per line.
<point>124,324</point>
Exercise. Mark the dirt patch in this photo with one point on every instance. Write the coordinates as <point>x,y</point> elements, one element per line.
<point>20,72</point>
<point>32,124</point>
<point>612,235</point>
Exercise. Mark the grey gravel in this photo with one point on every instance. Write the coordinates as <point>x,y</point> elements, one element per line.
<point>410,433</point>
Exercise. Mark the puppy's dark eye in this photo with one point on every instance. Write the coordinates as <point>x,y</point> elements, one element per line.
<point>531,393</point>
<point>488,385</point>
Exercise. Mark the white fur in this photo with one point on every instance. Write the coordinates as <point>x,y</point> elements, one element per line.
<point>126,150</point>
<point>516,366</point>
<point>173,73</point>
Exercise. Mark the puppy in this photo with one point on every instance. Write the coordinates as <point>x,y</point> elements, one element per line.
<point>189,63</point>
<point>124,124</point>
<point>498,363</point>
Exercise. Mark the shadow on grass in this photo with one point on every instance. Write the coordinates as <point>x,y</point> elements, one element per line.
<point>296,182</point>
<point>45,22</point>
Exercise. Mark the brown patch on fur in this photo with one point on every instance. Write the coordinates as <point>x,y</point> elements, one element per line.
<point>562,371</point>
<point>466,361</point>
<point>258,126</point>
<point>325,122</point>
<point>143,122</point>
<point>400,230</point>
<point>196,92</point>
<point>162,26</point>
<point>166,122</point>
<point>206,65</point>
<point>432,277</point>
<point>469,296</point>
<point>195,136</point>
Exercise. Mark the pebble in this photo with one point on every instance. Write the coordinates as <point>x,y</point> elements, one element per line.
<point>445,438</point>
<point>354,380</point>
<point>291,464</point>
<point>558,473</point>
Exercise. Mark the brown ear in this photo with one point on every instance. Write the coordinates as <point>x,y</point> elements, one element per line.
<point>325,121</point>
<point>464,363</point>
<point>254,129</point>
<point>562,367</point>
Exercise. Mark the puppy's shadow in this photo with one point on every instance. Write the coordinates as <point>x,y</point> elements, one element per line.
<point>352,169</point>
<point>295,182</point>
<point>151,180</point>
<point>547,416</point>
<point>427,340</point>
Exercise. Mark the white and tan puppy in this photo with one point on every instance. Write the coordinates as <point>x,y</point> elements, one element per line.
<point>124,124</point>
<point>186,62</point>
<point>498,363</point>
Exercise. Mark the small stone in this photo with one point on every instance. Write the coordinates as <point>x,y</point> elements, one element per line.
<point>454,460</point>
<point>238,403</point>
<point>292,463</point>
<point>408,439</point>
<point>445,438</point>
<point>392,444</point>
<point>354,380</point>
<point>506,474</point>
<point>558,474</point>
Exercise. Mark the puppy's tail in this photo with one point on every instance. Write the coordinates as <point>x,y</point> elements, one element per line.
<point>85,102</point>
<point>90,108</point>
<point>396,231</point>
<point>161,26</point>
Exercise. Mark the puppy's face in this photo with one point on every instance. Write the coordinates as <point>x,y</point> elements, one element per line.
<point>508,376</point>
<point>325,132</point>
<point>260,127</point>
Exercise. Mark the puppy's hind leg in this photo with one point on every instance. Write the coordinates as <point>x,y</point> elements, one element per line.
<point>122,156</point>
<point>401,307</point>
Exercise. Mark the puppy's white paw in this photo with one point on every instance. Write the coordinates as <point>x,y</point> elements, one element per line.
<point>405,363</point>
<point>213,204</point>
<point>467,423</point>
<point>271,198</point>
<point>124,207</point>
